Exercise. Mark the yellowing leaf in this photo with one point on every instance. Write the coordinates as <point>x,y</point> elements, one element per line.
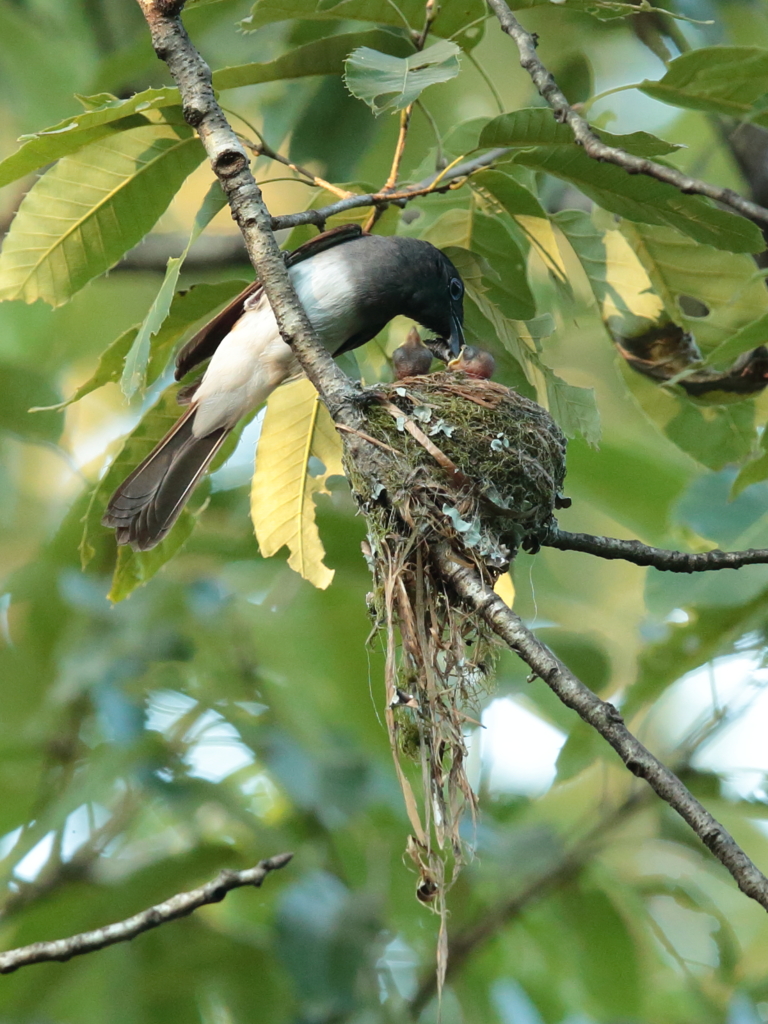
<point>297,426</point>
<point>505,589</point>
<point>626,280</point>
<point>542,237</point>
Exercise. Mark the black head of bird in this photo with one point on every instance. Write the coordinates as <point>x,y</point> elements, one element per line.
<point>350,285</point>
<point>412,358</point>
<point>474,361</point>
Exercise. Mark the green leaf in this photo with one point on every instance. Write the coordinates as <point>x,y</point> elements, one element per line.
<point>321,57</point>
<point>187,308</point>
<point>720,79</point>
<point>573,407</point>
<point>529,215</point>
<point>644,199</point>
<point>709,632</point>
<point>393,83</point>
<point>607,953</point>
<point>135,371</point>
<point>454,17</point>
<point>507,282</point>
<point>45,147</point>
<point>536,126</point>
<point>548,146</point>
<point>135,567</point>
<point>620,284</point>
<point>22,390</point>
<point>744,340</point>
<point>89,209</point>
<point>728,285</point>
<point>200,302</point>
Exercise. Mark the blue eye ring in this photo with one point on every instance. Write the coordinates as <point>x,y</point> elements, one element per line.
<point>456,288</point>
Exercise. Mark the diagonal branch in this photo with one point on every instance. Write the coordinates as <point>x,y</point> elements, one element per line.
<point>177,906</point>
<point>230,164</point>
<point>642,554</point>
<point>564,113</point>
<point>603,717</point>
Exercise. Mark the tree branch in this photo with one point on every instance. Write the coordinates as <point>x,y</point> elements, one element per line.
<point>177,906</point>
<point>230,164</point>
<point>603,717</point>
<point>642,554</point>
<point>441,181</point>
<point>593,146</point>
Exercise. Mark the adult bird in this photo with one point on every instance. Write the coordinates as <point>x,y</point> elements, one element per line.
<point>351,284</point>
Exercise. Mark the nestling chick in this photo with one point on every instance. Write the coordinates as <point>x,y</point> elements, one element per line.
<point>412,358</point>
<point>474,361</point>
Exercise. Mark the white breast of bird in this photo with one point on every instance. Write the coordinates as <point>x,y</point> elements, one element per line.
<point>252,360</point>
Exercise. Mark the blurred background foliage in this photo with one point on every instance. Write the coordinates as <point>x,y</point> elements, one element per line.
<point>228,711</point>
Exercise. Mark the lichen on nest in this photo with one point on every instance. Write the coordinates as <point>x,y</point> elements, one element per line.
<point>507,454</point>
<point>474,465</point>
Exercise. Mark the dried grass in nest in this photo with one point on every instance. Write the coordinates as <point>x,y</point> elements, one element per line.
<point>478,466</point>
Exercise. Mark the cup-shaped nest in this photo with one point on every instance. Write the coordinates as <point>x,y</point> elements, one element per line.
<point>471,461</point>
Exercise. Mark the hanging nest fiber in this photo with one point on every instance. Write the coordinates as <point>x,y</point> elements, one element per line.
<point>471,464</point>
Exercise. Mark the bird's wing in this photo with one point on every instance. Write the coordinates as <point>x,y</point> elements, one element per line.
<point>203,344</point>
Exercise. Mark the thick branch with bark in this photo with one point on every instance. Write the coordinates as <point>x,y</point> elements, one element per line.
<point>230,164</point>
<point>594,147</point>
<point>177,906</point>
<point>603,717</point>
<point>642,554</point>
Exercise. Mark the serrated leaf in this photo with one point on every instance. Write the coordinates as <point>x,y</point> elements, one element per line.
<point>744,340</point>
<point>406,14</point>
<point>135,567</point>
<point>645,200</point>
<point>536,126</point>
<point>573,408</point>
<point>548,146</point>
<point>296,428</point>
<point>385,82</point>
<point>721,79</point>
<point>89,209</point>
<point>135,371</point>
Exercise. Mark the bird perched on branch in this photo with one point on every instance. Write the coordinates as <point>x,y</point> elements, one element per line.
<point>412,358</point>
<point>351,285</point>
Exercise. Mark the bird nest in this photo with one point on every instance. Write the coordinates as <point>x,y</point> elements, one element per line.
<point>475,466</point>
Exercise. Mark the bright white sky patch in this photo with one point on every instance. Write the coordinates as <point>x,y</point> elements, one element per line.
<point>518,749</point>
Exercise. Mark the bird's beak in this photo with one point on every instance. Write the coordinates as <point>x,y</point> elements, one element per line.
<point>456,337</point>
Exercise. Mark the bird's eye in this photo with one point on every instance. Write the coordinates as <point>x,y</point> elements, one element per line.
<point>456,289</point>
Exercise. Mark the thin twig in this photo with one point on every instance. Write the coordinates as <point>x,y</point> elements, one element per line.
<point>430,13</point>
<point>593,146</point>
<point>263,148</point>
<point>603,717</point>
<point>177,906</point>
<point>641,554</point>
<point>438,182</point>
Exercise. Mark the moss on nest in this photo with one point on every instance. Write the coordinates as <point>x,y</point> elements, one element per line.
<point>508,451</point>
